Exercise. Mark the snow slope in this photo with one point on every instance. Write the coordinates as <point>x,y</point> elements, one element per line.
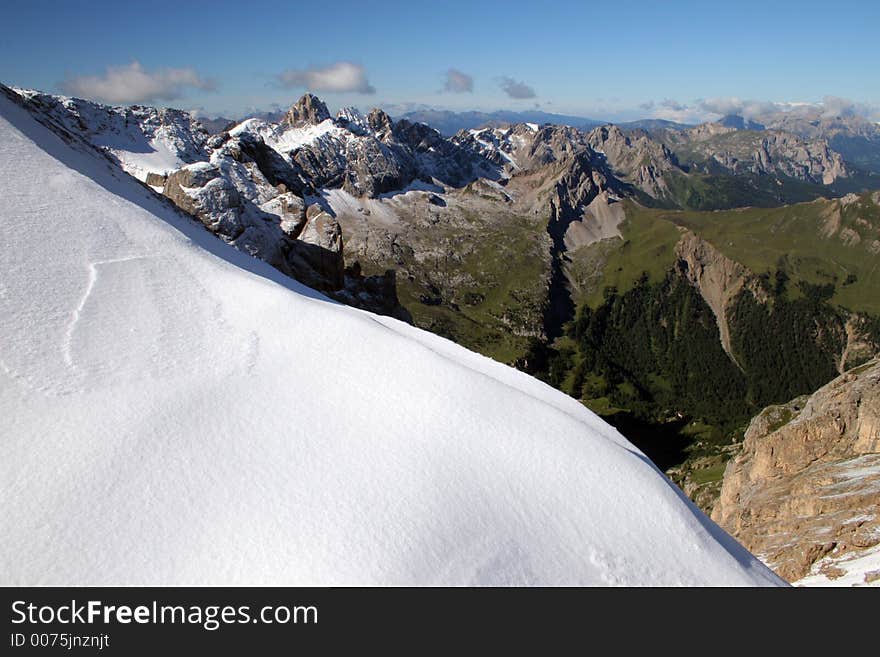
<point>141,139</point>
<point>285,139</point>
<point>175,412</point>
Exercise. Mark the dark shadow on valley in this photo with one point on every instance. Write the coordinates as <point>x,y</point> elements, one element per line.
<point>663,443</point>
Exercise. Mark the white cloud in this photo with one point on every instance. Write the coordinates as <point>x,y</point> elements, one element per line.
<point>671,110</point>
<point>712,109</point>
<point>458,82</point>
<point>835,106</point>
<point>133,84</point>
<point>516,89</point>
<point>339,77</point>
<point>673,105</point>
<point>746,108</point>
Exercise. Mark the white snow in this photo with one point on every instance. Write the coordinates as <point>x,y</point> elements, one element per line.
<point>856,567</point>
<point>285,139</point>
<point>356,121</point>
<point>254,125</point>
<point>293,138</point>
<point>142,139</point>
<point>175,412</point>
<point>159,159</point>
<point>415,186</point>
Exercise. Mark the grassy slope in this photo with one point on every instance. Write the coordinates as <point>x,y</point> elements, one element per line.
<point>647,245</point>
<point>762,239</point>
<point>792,238</point>
<point>492,298</point>
<point>702,191</point>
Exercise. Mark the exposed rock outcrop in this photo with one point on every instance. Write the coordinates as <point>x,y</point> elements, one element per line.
<point>718,279</point>
<point>806,485</point>
<point>713,146</point>
<point>854,136</point>
<point>156,179</point>
<point>635,157</point>
<point>308,110</point>
<point>600,221</point>
<point>380,123</point>
<point>320,246</point>
<point>200,190</point>
<point>373,168</point>
<point>275,168</point>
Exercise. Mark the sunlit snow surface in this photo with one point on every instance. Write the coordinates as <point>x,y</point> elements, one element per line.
<point>175,412</point>
<point>142,139</point>
<point>860,568</point>
<point>284,138</point>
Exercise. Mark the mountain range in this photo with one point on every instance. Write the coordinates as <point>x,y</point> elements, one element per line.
<point>176,411</point>
<point>674,279</point>
<point>448,122</point>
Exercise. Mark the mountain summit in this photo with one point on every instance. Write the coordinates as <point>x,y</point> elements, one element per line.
<point>308,110</point>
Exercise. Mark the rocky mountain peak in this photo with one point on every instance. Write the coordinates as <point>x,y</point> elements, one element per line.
<point>308,110</point>
<point>379,121</point>
<point>352,119</point>
<point>606,132</point>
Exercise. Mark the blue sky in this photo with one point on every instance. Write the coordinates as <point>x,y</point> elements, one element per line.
<point>604,60</point>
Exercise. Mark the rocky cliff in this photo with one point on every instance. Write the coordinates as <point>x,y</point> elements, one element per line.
<point>635,157</point>
<point>855,137</point>
<point>720,147</point>
<point>719,279</point>
<point>804,491</point>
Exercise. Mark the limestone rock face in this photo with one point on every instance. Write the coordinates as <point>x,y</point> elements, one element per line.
<point>718,279</point>
<point>711,146</point>
<point>318,255</point>
<point>374,168</point>
<point>635,157</point>
<point>578,185</point>
<point>308,110</point>
<point>156,179</point>
<point>275,168</point>
<point>379,122</point>
<point>322,230</point>
<point>806,485</point>
<point>200,190</point>
<point>549,144</point>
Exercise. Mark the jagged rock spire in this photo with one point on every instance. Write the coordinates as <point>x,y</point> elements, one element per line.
<point>308,110</point>
<point>379,121</point>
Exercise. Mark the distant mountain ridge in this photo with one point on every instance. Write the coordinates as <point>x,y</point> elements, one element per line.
<point>449,122</point>
<point>280,189</point>
<point>653,124</point>
<point>855,137</point>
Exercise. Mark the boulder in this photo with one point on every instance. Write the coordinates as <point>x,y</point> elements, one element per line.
<point>316,257</point>
<point>200,190</point>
